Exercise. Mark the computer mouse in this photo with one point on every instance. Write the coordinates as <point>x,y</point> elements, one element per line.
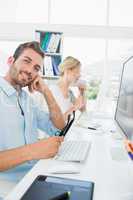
<point>64,169</point>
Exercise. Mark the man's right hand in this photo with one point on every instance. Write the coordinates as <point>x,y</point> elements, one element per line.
<point>45,148</point>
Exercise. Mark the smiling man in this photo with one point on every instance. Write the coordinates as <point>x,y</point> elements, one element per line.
<point>20,117</point>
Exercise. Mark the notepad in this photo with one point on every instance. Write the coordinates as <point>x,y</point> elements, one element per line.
<point>47,187</point>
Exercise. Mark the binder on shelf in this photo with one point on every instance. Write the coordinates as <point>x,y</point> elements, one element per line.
<point>45,41</point>
<point>56,43</point>
<point>55,63</point>
<point>50,45</point>
<point>48,66</point>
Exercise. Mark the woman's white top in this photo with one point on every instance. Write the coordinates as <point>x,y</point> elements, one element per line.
<point>64,103</point>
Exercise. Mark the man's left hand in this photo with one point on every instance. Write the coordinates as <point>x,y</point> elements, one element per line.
<point>37,85</point>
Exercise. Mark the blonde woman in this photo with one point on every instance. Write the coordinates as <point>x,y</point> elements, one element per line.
<point>69,76</point>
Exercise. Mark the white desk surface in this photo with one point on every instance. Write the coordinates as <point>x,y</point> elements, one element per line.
<point>113,179</point>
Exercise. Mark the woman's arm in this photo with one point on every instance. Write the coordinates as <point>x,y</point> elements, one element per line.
<point>82,89</point>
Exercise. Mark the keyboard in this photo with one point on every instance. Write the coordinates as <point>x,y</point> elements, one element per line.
<point>73,151</point>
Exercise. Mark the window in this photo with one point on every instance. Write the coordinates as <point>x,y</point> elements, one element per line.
<point>85,12</point>
<point>118,52</point>
<point>23,11</point>
<point>101,58</point>
<point>91,53</point>
<point>32,11</point>
<point>121,12</point>
<point>8,11</point>
<point>7,49</point>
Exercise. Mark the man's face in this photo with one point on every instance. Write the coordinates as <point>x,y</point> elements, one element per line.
<point>26,68</point>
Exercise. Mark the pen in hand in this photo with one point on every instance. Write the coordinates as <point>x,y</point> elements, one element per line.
<point>63,196</point>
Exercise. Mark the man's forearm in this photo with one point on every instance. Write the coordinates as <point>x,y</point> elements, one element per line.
<point>42,149</point>
<point>14,157</point>
<point>55,111</point>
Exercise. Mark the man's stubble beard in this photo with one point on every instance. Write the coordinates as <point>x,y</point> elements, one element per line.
<point>14,74</point>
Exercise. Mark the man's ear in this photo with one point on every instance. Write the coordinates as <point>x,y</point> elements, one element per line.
<point>10,60</point>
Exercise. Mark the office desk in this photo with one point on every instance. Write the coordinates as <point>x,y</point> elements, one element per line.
<point>113,179</point>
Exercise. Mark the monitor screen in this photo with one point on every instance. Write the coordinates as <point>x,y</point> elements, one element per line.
<point>124,108</point>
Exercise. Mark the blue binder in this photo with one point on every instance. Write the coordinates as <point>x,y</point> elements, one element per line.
<point>47,187</point>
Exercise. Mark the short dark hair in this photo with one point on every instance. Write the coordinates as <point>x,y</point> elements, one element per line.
<point>34,45</point>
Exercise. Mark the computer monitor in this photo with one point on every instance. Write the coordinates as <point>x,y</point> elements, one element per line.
<point>124,108</point>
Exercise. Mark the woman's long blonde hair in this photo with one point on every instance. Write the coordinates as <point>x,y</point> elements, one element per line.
<point>68,63</point>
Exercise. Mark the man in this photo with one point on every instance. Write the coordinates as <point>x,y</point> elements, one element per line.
<point>20,117</point>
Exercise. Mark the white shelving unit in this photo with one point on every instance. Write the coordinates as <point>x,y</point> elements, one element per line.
<point>51,44</point>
